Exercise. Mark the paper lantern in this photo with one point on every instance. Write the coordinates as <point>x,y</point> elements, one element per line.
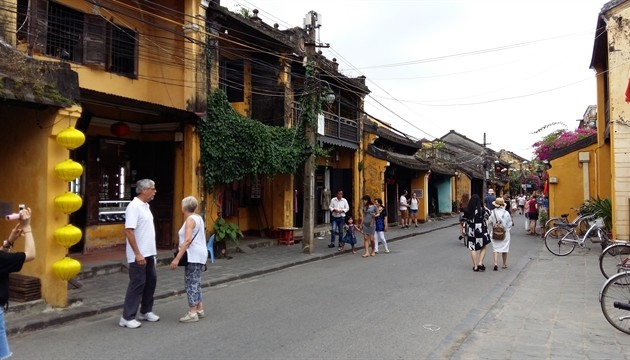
<point>119,129</point>
<point>68,235</point>
<point>68,170</point>
<point>66,268</point>
<point>70,138</point>
<point>68,202</point>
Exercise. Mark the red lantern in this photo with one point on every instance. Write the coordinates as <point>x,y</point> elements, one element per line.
<point>119,129</point>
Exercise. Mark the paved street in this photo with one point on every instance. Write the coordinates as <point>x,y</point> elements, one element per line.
<point>420,301</point>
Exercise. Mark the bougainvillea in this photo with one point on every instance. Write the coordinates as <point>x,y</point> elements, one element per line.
<point>558,140</point>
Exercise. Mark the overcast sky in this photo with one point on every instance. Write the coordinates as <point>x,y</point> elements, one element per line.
<point>501,67</point>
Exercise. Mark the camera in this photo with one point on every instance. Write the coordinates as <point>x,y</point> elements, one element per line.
<point>15,216</point>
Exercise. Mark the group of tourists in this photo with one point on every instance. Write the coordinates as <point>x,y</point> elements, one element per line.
<point>372,224</point>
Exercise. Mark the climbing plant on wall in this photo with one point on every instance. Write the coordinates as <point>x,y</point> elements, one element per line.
<point>234,146</point>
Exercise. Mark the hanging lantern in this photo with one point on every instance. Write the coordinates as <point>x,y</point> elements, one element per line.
<point>66,268</point>
<point>70,138</point>
<point>119,129</point>
<point>68,170</point>
<point>67,236</point>
<point>68,202</point>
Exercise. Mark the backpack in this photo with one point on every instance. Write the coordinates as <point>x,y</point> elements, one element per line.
<point>498,230</point>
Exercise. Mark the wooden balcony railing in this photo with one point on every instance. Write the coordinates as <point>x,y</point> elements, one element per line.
<point>340,128</point>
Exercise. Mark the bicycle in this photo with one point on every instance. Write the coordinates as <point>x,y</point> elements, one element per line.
<point>615,258</point>
<point>561,240</point>
<point>614,298</point>
<point>580,220</point>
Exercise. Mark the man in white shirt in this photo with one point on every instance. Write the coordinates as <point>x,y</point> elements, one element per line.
<point>141,251</point>
<point>338,208</point>
<point>404,210</point>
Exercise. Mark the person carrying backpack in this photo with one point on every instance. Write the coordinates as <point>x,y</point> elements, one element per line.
<point>500,218</point>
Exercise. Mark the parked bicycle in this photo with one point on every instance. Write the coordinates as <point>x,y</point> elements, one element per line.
<point>615,258</point>
<point>562,240</point>
<point>614,299</point>
<point>580,220</point>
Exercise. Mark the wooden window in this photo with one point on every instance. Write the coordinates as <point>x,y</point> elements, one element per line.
<point>232,78</point>
<point>65,31</point>
<point>123,51</point>
<point>94,40</point>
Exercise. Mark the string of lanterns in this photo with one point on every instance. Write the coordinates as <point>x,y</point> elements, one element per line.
<point>68,235</point>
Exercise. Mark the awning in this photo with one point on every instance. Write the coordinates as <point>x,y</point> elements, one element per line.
<point>407,161</point>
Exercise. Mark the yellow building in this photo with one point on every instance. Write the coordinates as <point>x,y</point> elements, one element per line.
<point>610,158</point>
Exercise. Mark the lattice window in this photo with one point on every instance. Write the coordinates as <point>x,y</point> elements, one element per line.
<point>65,33</point>
<point>123,51</point>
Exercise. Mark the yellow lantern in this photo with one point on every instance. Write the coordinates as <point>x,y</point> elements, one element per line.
<point>68,170</point>
<point>68,235</point>
<point>66,268</point>
<point>68,202</point>
<point>70,138</point>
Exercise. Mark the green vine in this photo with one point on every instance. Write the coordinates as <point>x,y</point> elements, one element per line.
<point>234,146</point>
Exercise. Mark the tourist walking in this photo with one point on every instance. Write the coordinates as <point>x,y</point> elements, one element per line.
<point>477,235</point>
<point>192,246</point>
<point>351,236</point>
<point>502,216</point>
<point>380,225</point>
<point>490,197</point>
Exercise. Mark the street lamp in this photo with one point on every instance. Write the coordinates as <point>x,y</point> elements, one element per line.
<point>539,171</point>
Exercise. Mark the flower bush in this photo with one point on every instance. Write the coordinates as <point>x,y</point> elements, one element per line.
<point>558,140</point>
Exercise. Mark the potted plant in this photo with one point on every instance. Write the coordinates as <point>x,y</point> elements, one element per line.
<point>543,216</point>
<point>224,231</point>
<point>600,208</point>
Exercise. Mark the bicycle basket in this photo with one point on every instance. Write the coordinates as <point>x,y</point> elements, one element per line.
<point>599,222</point>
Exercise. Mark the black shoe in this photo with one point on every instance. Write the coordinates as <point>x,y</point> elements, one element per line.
<point>331,245</point>
<point>461,237</point>
<point>482,267</point>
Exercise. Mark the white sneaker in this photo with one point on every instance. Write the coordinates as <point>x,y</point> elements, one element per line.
<point>132,324</point>
<point>201,314</point>
<point>387,251</point>
<point>188,318</point>
<point>150,316</point>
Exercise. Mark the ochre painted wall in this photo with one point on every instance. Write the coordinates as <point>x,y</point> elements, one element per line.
<point>568,193</point>
<point>30,152</point>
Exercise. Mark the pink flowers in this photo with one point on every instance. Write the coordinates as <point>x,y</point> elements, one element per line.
<point>558,140</point>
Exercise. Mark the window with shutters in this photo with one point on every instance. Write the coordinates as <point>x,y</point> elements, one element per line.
<point>123,51</point>
<point>82,38</point>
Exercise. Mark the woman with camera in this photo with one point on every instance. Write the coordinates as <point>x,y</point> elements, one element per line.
<point>12,262</point>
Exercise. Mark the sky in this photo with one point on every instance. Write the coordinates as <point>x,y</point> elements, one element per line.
<point>503,68</point>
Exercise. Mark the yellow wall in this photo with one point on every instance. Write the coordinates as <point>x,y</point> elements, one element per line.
<point>568,193</point>
<point>30,152</point>
<point>614,169</point>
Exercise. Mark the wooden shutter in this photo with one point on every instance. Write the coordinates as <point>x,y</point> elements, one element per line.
<point>94,36</point>
<point>38,25</point>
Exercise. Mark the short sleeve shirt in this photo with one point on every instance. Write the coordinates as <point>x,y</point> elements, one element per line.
<point>138,216</point>
<point>403,199</point>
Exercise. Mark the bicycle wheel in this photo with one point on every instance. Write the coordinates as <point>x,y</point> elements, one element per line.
<point>615,301</point>
<point>553,222</point>
<point>562,245</point>
<point>582,226</point>
<point>614,259</point>
<point>554,230</point>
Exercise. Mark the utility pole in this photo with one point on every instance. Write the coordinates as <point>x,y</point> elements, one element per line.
<point>484,187</point>
<point>310,135</point>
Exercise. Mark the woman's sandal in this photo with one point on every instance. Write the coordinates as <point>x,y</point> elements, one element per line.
<point>365,255</point>
<point>505,266</point>
<point>481,267</point>
<point>496,268</point>
<point>475,269</point>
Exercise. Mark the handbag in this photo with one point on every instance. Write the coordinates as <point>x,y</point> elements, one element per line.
<point>184,259</point>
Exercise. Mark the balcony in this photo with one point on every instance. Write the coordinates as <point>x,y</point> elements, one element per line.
<point>340,128</point>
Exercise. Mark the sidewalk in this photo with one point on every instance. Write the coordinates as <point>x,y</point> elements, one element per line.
<point>105,293</point>
<point>550,310</point>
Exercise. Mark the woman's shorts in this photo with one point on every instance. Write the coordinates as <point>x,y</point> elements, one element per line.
<point>413,212</point>
<point>532,216</point>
